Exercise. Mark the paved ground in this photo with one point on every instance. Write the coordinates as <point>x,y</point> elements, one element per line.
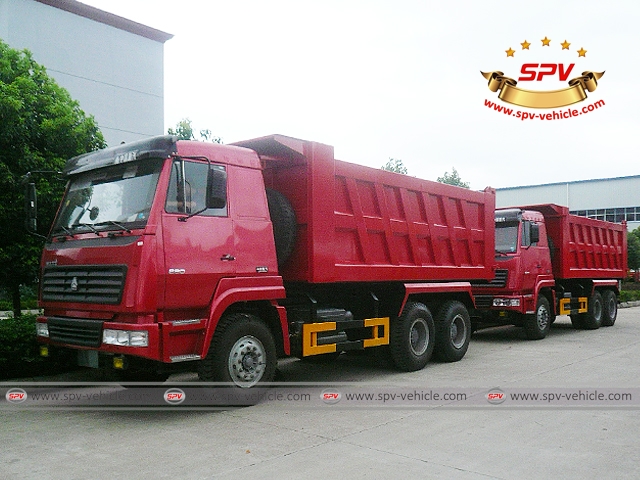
<point>276,440</point>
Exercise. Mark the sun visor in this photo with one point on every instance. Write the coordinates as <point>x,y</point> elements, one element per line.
<point>156,147</point>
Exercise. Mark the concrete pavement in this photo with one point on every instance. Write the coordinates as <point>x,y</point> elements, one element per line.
<point>273,440</point>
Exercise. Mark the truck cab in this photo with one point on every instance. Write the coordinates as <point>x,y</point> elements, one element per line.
<point>150,239</point>
<point>523,269</point>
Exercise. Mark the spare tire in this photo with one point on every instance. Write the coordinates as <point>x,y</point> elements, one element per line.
<point>283,219</point>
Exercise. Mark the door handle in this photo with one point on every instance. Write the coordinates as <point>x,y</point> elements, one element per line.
<point>227,257</point>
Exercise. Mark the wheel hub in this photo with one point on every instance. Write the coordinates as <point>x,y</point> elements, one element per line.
<point>247,361</point>
<point>458,332</point>
<point>543,318</point>
<point>419,337</point>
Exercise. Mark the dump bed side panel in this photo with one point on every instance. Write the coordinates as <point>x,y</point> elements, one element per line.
<point>584,247</point>
<point>397,227</point>
<point>357,223</point>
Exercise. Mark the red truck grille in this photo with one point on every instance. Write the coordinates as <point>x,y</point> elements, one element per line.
<point>500,280</point>
<point>84,284</point>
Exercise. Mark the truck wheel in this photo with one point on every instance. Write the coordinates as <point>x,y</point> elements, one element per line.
<point>283,219</point>
<point>453,331</point>
<point>537,325</point>
<point>412,337</point>
<point>242,352</point>
<point>610,303</point>
<point>593,318</point>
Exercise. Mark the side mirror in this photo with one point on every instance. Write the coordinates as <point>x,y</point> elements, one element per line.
<point>535,233</point>
<point>31,207</point>
<point>216,188</point>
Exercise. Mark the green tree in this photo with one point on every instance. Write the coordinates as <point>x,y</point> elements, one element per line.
<point>453,178</point>
<point>40,127</point>
<point>184,131</point>
<point>395,165</point>
<point>633,249</point>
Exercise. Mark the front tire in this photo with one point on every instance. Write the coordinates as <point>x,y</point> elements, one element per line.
<point>453,332</point>
<point>412,337</point>
<point>537,326</point>
<point>242,353</point>
<point>610,304</point>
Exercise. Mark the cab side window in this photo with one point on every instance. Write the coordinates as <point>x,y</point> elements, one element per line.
<point>188,189</point>
<point>527,236</point>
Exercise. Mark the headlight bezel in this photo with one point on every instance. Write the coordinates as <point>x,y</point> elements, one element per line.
<point>501,302</point>
<point>125,338</point>
<point>42,329</point>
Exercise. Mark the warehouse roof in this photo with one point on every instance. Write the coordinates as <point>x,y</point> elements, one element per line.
<point>107,18</point>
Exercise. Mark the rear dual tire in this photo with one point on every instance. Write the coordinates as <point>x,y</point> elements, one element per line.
<point>412,338</point>
<point>610,304</point>
<point>415,336</point>
<point>594,317</point>
<point>453,332</point>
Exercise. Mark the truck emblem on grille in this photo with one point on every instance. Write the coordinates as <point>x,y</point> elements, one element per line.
<point>74,284</point>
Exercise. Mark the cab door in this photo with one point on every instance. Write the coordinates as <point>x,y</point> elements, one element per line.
<point>198,242</point>
<point>535,255</point>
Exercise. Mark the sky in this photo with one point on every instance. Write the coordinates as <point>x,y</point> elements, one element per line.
<point>401,79</point>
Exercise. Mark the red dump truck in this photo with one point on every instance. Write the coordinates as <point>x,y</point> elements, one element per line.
<point>550,263</point>
<point>168,254</point>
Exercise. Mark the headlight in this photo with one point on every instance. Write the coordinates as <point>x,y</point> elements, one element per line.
<point>125,338</point>
<point>42,330</point>
<point>506,302</point>
<point>138,339</point>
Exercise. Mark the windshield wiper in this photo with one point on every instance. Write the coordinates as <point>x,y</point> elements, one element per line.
<point>88,225</point>
<point>115,224</point>
<point>62,228</point>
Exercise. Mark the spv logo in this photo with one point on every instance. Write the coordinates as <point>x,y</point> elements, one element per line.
<point>496,396</point>
<point>174,396</point>
<point>544,68</point>
<point>16,395</point>
<point>330,396</point>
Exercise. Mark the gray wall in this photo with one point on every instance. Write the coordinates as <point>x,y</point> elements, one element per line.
<point>115,75</point>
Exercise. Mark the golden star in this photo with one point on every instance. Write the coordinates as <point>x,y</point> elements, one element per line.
<point>525,45</point>
<point>565,45</point>
<point>545,41</point>
<point>582,52</point>
<point>510,52</point>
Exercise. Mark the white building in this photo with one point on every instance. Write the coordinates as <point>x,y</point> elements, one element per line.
<point>611,199</point>
<point>112,66</point>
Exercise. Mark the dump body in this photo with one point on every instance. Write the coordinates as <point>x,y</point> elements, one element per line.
<point>583,247</point>
<point>360,224</point>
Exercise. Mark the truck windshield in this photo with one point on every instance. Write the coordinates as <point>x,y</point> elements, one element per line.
<point>117,197</point>
<point>507,238</point>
